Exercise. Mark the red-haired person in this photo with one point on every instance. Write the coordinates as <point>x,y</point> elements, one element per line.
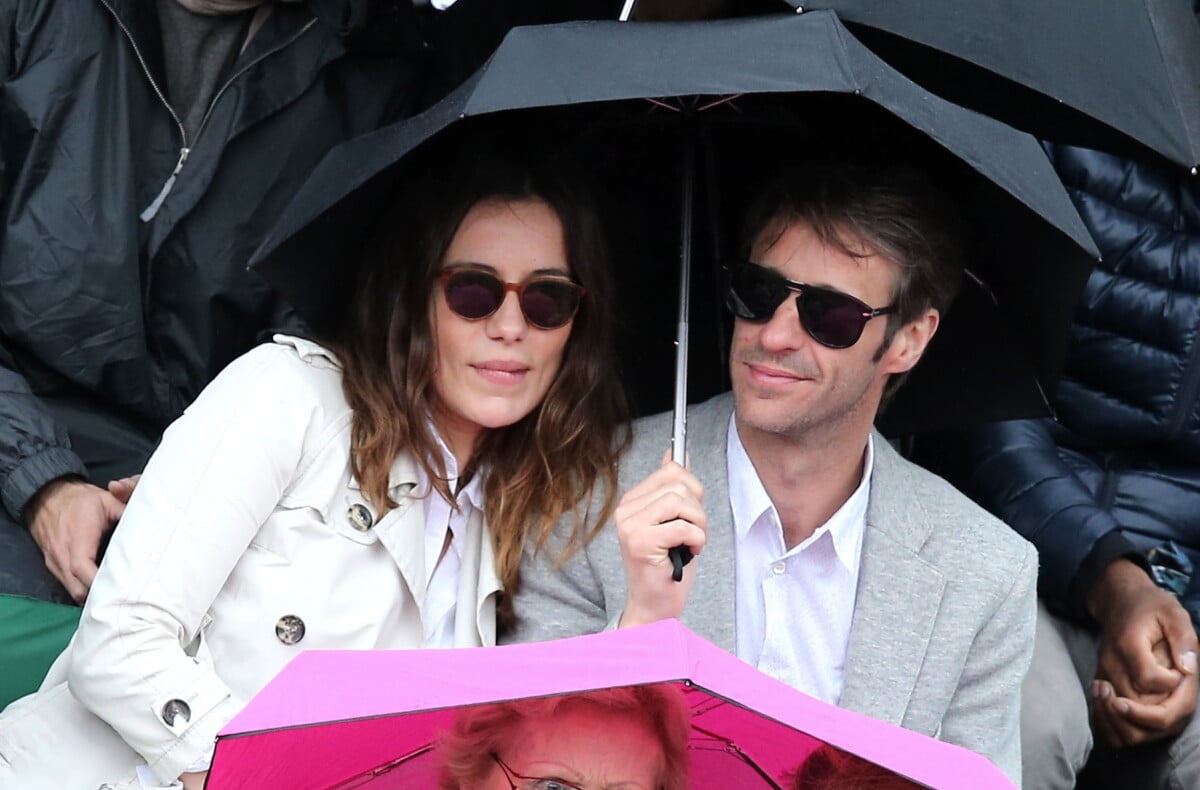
<point>634,738</point>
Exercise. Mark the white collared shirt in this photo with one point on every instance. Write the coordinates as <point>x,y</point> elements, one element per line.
<point>442,570</point>
<point>794,607</point>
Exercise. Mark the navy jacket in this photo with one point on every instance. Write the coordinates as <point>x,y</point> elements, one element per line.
<point>1118,471</point>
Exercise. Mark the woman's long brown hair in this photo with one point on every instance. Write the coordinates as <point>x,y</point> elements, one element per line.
<point>547,464</point>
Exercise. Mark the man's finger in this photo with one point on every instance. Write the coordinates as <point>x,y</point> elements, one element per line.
<point>1137,671</point>
<point>667,474</point>
<point>84,573</point>
<point>653,546</point>
<point>1109,723</point>
<point>75,586</point>
<point>122,489</point>
<point>1181,637</point>
<point>1162,718</point>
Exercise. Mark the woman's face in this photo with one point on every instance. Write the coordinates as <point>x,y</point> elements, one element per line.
<point>493,371</point>
<point>586,747</point>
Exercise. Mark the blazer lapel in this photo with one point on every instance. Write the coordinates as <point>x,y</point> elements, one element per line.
<point>711,611</point>
<point>898,597</point>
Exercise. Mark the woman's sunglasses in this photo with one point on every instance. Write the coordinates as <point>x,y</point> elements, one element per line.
<point>546,302</point>
<point>832,318</point>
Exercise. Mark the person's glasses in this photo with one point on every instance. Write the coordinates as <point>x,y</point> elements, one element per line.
<point>531,782</point>
<point>832,318</point>
<point>546,302</point>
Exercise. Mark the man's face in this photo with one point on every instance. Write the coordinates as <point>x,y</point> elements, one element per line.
<point>786,383</point>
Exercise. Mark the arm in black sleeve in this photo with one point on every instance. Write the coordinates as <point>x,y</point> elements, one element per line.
<point>34,448</point>
<point>1014,469</point>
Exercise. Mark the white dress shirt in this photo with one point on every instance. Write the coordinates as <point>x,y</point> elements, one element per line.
<point>442,570</point>
<point>794,607</point>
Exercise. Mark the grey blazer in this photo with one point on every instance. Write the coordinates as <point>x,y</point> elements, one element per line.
<point>942,631</point>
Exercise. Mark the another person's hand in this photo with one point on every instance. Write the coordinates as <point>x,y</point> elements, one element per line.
<point>1146,682</point>
<point>68,518</point>
<point>193,781</point>
<point>659,513</point>
<point>123,489</point>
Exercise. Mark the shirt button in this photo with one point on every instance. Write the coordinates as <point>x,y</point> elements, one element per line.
<point>176,709</point>
<point>289,629</point>
<point>360,518</point>
<point>778,568</point>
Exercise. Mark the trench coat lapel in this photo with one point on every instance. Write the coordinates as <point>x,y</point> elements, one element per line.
<point>477,588</point>
<point>899,595</point>
<point>401,531</point>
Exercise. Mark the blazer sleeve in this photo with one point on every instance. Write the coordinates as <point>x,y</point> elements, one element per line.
<point>1014,469</point>
<point>138,661</point>
<point>560,595</point>
<point>985,712</point>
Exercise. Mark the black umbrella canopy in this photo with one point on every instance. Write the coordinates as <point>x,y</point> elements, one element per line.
<point>1133,65</point>
<point>804,87</point>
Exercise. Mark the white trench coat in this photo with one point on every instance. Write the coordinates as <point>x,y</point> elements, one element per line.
<point>246,542</point>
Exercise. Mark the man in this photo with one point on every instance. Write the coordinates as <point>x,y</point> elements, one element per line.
<point>1109,492</point>
<point>147,148</point>
<point>824,558</point>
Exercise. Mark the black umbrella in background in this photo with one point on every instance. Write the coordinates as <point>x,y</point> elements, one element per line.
<point>779,89</point>
<point>1052,67</point>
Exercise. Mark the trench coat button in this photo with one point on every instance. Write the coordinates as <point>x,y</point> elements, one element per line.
<point>289,629</point>
<point>360,518</point>
<point>176,709</point>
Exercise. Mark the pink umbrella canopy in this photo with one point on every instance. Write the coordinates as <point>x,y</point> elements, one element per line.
<point>348,719</point>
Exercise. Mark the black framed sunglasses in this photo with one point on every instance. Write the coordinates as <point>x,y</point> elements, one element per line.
<point>546,302</point>
<point>832,318</point>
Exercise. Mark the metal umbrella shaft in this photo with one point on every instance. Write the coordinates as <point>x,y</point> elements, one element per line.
<point>682,555</point>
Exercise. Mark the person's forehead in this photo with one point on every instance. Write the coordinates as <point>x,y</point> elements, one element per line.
<point>794,239</point>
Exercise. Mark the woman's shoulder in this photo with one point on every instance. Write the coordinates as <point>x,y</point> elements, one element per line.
<point>286,356</point>
<point>308,352</point>
<point>287,370</point>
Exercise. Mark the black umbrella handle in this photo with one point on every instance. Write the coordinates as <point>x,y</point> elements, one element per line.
<point>680,556</point>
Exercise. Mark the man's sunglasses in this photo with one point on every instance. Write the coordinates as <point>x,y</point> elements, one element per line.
<point>832,318</point>
<point>546,302</point>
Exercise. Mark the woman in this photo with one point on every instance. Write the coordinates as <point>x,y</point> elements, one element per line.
<point>634,738</point>
<point>374,491</point>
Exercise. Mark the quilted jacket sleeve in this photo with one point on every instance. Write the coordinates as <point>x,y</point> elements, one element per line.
<point>1014,469</point>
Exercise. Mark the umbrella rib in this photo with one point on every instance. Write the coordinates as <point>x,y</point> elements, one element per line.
<point>379,770</point>
<point>732,748</point>
<point>663,104</point>
<point>719,102</point>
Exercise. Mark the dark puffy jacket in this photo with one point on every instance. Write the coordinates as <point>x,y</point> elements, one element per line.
<point>1119,470</point>
<point>110,324</point>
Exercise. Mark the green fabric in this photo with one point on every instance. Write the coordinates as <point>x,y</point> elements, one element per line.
<point>32,634</point>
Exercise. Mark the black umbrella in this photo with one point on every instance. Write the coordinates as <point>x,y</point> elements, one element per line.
<point>779,89</point>
<point>1133,65</point>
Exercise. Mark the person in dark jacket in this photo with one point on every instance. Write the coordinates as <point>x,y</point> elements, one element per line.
<point>146,147</point>
<point>1109,492</point>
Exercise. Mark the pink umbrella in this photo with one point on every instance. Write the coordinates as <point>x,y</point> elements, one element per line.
<point>347,719</point>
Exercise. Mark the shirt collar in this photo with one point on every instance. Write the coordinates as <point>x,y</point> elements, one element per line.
<point>471,495</point>
<point>749,501</point>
